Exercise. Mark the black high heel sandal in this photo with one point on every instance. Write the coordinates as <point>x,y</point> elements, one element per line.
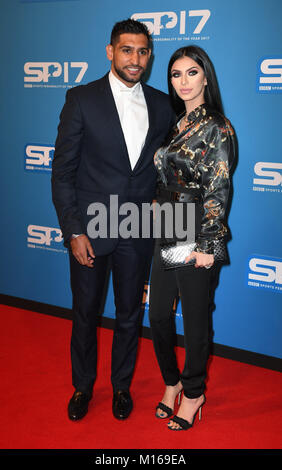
<point>166,409</point>
<point>183,423</point>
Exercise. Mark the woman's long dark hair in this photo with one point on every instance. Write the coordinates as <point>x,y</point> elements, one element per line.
<point>212,93</point>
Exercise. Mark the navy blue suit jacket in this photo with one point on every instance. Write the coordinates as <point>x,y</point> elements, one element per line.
<point>91,161</point>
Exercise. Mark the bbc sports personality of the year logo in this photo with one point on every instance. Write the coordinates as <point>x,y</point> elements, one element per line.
<point>38,157</point>
<point>265,272</point>
<point>269,74</point>
<point>173,25</point>
<point>53,74</point>
<point>268,177</point>
<point>46,238</point>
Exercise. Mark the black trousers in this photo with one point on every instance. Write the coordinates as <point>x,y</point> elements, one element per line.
<point>194,286</point>
<point>129,272</point>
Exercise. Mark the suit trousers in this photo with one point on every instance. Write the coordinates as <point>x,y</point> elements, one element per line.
<point>194,287</point>
<point>129,271</point>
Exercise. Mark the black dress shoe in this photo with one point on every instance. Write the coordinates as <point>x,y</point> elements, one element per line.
<point>78,405</point>
<point>122,404</point>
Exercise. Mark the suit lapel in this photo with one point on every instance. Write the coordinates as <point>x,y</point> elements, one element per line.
<point>113,118</point>
<point>152,118</point>
<point>115,125</point>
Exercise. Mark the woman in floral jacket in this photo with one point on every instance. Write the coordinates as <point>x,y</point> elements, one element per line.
<point>193,166</point>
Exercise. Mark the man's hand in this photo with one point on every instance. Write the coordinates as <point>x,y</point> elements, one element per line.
<point>82,250</point>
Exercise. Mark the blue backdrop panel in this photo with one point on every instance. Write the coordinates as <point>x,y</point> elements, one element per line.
<point>50,46</point>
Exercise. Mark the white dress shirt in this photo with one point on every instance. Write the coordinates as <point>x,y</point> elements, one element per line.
<point>133,115</point>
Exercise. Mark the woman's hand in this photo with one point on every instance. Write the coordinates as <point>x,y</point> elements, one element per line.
<point>203,260</point>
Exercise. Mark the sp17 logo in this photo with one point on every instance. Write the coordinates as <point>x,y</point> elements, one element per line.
<point>268,176</point>
<point>54,74</point>
<point>166,20</point>
<point>269,75</point>
<point>38,157</point>
<point>265,273</point>
<point>48,238</point>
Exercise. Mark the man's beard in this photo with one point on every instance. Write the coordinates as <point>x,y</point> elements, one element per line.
<point>125,77</point>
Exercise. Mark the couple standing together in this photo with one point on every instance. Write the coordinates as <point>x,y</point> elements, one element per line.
<point>119,136</point>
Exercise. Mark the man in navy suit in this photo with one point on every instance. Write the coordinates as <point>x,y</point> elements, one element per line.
<point>108,133</point>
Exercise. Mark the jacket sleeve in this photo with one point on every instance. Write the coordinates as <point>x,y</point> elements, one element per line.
<point>65,164</point>
<point>215,174</point>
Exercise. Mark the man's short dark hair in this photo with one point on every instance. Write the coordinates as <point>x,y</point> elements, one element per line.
<point>129,26</point>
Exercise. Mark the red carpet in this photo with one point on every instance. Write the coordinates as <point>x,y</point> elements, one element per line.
<point>243,408</point>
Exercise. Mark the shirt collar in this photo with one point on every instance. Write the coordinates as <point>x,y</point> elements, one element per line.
<point>119,87</point>
<point>200,111</point>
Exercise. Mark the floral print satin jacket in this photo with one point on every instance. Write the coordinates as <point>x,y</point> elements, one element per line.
<point>201,157</point>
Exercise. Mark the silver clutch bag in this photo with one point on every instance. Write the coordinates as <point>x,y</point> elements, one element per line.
<point>173,254</point>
